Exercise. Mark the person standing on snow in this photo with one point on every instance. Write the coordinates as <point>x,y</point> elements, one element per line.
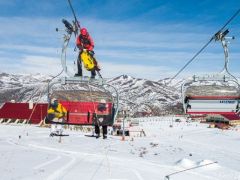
<point>100,118</point>
<point>57,114</point>
<point>84,41</point>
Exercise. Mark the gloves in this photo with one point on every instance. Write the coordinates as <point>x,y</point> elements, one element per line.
<point>91,53</point>
<point>80,47</point>
<point>57,114</point>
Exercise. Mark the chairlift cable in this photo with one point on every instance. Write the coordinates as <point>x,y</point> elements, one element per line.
<point>191,60</point>
<point>94,106</point>
<point>77,24</point>
<point>212,38</point>
<point>230,20</point>
<point>70,4</point>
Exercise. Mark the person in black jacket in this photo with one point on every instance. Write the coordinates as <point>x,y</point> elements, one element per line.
<point>101,119</point>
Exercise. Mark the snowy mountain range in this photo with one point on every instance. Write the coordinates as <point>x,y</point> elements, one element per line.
<point>139,95</point>
<point>147,96</point>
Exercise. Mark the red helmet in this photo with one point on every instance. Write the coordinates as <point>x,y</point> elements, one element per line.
<point>83,31</point>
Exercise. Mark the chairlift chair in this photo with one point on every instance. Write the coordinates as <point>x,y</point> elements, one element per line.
<point>82,96</point>
<point>212,94</point>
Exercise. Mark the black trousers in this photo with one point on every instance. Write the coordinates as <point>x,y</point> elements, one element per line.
<point>79,66</point>
<point>97,130</point>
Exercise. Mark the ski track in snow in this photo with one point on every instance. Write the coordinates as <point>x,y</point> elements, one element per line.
<point>57,174</point>
<point>137,174</point>
<point>102,161</point>
<point>74,159</point>
<point>47,162</point>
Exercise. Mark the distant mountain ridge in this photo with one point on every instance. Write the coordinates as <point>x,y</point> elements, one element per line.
<point>139,95</point>
<point>146,95</point>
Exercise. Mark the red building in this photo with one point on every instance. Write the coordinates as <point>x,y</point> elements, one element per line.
<point>24,111</point>
<point>79,113</point>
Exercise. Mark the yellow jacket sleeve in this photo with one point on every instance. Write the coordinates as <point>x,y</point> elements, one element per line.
<point>50,111</point>
<point>59,112</point>
<point>63,109</point>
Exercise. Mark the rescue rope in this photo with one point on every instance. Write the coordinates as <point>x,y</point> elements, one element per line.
<point>36,103</point>
<point>94,107</point>
<point>34,107</point>
<point>40,96</point>
<point>105,152</point>
<point>20,135</point>
<point>101,163</point>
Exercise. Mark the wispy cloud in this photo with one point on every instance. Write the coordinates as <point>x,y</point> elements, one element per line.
<point>31,64</point>
<point>122,48</point>
<point>31,49</point>
<point>141,71</point>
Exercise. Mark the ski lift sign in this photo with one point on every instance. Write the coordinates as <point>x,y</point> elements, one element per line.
<point>227,101</point>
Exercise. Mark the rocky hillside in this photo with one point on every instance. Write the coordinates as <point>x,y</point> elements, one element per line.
<point>139,95</point>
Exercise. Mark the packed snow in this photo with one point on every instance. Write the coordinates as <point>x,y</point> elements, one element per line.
<point>27,152</point>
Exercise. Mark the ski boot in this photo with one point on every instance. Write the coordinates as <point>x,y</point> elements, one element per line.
<point>52,134</point>
<point>97,136</point>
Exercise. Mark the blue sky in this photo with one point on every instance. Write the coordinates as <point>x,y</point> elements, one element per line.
<point>146,39</point>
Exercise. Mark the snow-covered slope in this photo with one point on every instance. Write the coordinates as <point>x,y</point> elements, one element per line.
<point>163,151</point>
<point>137,94</point>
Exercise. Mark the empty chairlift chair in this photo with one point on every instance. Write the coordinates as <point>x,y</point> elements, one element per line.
<point>212,94</point>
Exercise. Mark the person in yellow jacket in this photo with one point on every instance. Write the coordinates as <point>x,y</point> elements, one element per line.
<point>57,114</point>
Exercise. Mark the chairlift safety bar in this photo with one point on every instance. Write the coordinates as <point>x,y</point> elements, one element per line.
<point>223,78</point>
<point>78,80</point>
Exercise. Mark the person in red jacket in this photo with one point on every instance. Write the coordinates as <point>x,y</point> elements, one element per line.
<point>84,41</point>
